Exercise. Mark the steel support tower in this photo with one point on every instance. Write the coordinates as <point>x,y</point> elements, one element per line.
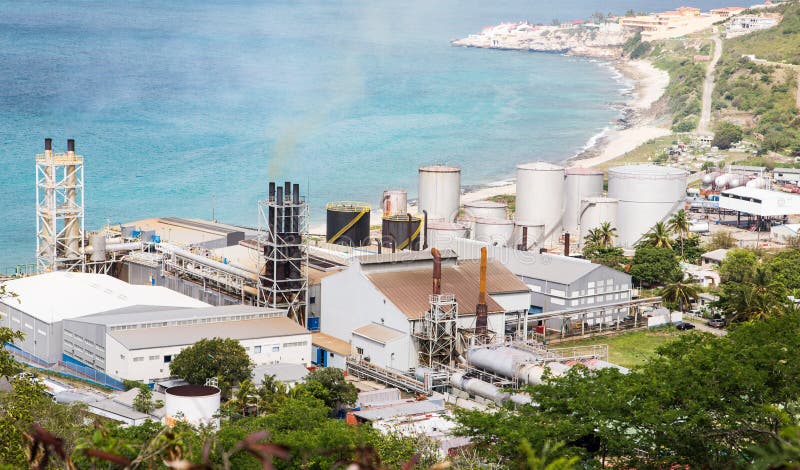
<point>282,234</point>
<point>59,210</point>
<point>437,331</point>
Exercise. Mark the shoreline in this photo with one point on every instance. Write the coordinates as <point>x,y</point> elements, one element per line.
<point>639,123</point>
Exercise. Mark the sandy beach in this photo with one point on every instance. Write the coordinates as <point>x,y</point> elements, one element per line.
<point>641,125</point>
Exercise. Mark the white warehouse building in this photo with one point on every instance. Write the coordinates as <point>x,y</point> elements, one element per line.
<point>375,303</point>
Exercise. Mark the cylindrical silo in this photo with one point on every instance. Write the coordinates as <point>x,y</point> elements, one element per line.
<point>501,360</point>
<point>442,235</point>
<point>540,198</point>
<point>485,210</point>
<point>98,244</point>
<point>195,404</point>
<point>594,212</point>
<point>394,202</point>
<point>493,231</point>
<point>647,194</point>
<point>348,223</point>
<point>440,192</point>
<point>403,231</point>
<point>580,183</point>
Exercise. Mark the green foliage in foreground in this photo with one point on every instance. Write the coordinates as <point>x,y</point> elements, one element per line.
<point>702,402</point>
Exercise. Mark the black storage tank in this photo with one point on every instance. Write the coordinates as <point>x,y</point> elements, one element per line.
<point>398,229</point>
<point>348,223</point>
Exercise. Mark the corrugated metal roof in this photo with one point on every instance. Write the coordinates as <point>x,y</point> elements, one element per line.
<point>331,343</point>
<point>404,256</point>
<point>62,295</point>
<point>145,338</point>
<point>402,409</point>
<point>379,333</point>
<point>146,313</point>
<point>409,290</point>
<point>716,255</point>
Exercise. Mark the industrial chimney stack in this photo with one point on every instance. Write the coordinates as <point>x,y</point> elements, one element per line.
<point>481,310</point>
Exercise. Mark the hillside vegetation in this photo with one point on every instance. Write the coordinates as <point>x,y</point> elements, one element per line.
<point>762,96</point>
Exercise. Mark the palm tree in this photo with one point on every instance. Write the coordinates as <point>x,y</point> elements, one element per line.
<point>607,234</point>
<point>658,236</point>
<point>593,237</point>
<point>680,292</point>
<point>679,225</point>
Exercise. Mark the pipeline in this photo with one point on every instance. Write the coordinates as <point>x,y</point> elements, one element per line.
<point>482,389</point>
<point>246,274</point>
<point>514,363</point>
<point>129,246</point>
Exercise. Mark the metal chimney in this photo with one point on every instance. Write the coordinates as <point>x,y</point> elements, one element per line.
<point>437,271</point>
<point>48,144</point>
<point>71,145</point>
<point>566,244</point>
<point>481,310</point>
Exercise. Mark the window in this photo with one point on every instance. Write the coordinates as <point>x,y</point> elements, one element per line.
<point>154,358</point>
<point>42,332</point>
<point>312,300</point>
<point>29,326</point>
<point>295,344</point>
<point>122,356</point>
<point>276,348</point>
<point>360,351</point>
<point>167,358</point>
<point>138,359</point>
<point>257,349</point>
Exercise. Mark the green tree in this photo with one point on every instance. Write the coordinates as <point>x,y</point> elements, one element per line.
<point>224,359</point>
<point>708,166</point>
<point>680,293</point>
<point>691,248</point>
<point>739,266</point>
<point>143,402</point>
<point>721,240</point>
<point>679,225</point>
<point>655,266</point>
<point>9,366</point>
<point>658,236</point>
<point>726,134</point>
<point>329,385</point>
<point>783,268</point>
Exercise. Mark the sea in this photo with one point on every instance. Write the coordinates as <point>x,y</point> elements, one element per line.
<point>189,109</point>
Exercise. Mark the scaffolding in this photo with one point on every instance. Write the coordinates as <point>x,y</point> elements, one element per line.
<point>59,210</point>
<point>437,332</point>
<point>282,233</point>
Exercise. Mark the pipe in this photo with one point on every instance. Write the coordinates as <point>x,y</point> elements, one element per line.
<point>524,239</point>
<point>481,310</point>
<point>566,244</point>
<point>296,194</point>
<point>271,191</point>
<point>437,271</point>
<point>287,190</point>
<point>208,262</point>
<point>410,229</point>
<point>425,229</point>
<point>114,247</point>
<point>378,241</point>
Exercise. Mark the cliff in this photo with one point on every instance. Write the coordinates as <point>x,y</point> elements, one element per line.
<point>590,40</point>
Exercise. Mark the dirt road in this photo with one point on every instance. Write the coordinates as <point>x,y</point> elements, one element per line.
<point>703,127</point>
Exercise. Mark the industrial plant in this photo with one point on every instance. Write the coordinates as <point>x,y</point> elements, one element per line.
<point>438,294</point>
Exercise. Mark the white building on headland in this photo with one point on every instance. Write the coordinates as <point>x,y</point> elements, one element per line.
<point>750,23</point>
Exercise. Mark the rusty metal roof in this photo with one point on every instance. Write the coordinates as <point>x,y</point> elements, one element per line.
<point>410,290</point>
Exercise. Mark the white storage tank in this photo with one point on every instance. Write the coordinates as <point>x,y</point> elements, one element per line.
<point>485,210</point>
<point>493,231</point>
<point>540,199</point>
<point>647,194</point>
<point>594,212</point>
<point>394,202</point>
<point>708,179</point>
<point>580,184</point>
<point>195,404</point>
<point>758,182</point>
<point>440,192</point>
<point>442,235</point>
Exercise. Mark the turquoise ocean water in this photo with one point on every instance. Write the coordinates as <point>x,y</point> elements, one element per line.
<point>178,106</point>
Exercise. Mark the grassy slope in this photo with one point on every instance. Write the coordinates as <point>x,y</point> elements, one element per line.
<point>764,91</point>
<point>631,349</point>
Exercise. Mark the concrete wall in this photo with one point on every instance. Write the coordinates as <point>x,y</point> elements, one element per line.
<point>149,364</point>
<point>139,274</point>
<point>42,339</point>
<point>393,355</point>
<point>85,342</point>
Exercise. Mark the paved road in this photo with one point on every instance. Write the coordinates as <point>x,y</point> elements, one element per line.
<point>700,325</point>
<point>708,87</point>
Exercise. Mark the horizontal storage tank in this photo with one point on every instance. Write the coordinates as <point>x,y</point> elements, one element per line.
<point>540,199</point>
<point>348,223</point>
<point>758,182</point>
<point>501,360</point>
<point>721,181</point>
<point>196,404</point>
<point>496,232</point>
<point>478,388</point>
<point>394,202</point>
<point>708,179</point>
<point>440,192</point>
<point>485,210</point>
<point>404,231</point>
<point>580,184</point>
<point>594,212</point>
<point>442,235</point>
<point>647,194</point>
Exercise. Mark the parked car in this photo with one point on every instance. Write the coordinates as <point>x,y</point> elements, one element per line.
<point>684,326</point>
<point>696,312</point>
<point>716,323</point>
